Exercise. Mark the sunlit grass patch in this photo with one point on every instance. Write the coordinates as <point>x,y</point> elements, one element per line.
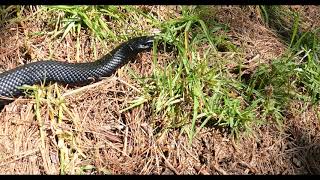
<point>53,115</point>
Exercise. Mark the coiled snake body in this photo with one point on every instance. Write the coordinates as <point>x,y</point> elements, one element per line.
<point>71,73</point>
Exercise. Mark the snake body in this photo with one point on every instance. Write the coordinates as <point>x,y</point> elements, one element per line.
<point>71,73</point>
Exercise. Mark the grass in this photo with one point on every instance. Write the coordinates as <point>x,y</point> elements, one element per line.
<point>75,17</point>
<point>202,83</point>
<point>279,18</point>
<point>49,98</point>
<point>103,21</point>
<point>294,77</point>
<point>195,88</point>
<point>189,84</point>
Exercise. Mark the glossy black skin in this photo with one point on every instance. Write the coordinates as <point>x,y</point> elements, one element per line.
<point>71,73</point>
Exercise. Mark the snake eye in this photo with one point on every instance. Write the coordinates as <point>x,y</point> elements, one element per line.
<point>149,43</point>
<point>146,43</point>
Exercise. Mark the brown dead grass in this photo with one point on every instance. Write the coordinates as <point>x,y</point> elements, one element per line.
<point>309,15</point>
<point>123,143</point>
<point>247,31</point>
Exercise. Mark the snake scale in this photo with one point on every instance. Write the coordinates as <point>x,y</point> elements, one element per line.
<point>71,73</point>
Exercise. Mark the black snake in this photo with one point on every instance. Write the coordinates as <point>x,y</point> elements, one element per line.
<point>71,73</point>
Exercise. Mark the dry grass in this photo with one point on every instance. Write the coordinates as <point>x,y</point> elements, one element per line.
<point>96,139</point>
<point>247,31</point>
<point>309,16</point>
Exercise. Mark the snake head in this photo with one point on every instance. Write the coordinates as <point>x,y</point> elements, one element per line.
<point>142,43</point>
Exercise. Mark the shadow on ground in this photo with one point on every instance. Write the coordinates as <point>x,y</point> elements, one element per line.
<point>303,150</point>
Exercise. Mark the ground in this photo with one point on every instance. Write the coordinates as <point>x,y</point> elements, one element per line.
<point>95,138</point>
